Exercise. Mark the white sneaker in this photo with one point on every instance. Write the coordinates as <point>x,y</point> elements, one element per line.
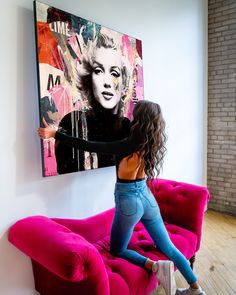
<point>190,291</point>
<point>164,270</point>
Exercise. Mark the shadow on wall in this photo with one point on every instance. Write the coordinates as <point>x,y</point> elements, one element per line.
<point>27,145</point>
<point>16,276</point>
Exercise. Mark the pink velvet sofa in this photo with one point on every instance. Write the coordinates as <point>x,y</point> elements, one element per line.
<point>71,257</point>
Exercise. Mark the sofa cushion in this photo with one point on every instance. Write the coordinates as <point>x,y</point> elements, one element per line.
<point>183,239</point>
<point>121,273</point>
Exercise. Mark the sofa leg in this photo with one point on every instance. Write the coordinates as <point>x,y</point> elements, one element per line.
<point>192,260</point>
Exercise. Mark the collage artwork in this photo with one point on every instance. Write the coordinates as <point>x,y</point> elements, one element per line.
<point>89,80</point>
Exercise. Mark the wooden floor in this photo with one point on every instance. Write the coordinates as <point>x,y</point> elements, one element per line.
<point>215,264</point>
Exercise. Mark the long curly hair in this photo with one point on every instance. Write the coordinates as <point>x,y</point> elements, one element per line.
<point>148,121</point>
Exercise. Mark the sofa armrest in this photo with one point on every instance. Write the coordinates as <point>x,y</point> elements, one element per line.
<point>181,204</point>
<point>59,250</point>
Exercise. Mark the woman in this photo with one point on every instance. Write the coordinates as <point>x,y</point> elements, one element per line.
<point>139,155</point>
<point>103,82</point>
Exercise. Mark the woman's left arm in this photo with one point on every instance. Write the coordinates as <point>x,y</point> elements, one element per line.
<point>125,146</point>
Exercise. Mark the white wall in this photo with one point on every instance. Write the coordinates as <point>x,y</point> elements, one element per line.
<point>174,50</point>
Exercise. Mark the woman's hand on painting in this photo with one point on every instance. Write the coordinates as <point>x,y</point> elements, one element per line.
<point>48,131</point>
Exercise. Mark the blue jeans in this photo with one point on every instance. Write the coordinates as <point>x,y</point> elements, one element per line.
<point>134,202</point>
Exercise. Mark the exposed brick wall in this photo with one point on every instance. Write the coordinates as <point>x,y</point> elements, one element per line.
<point>221,169</point>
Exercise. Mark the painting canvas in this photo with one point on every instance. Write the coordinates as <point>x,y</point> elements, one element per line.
<point>89,79</point>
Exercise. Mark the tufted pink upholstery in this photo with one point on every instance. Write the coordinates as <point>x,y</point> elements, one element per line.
<point>72,256</point>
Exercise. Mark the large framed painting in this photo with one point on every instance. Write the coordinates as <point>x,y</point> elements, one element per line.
<point>89,79</point>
